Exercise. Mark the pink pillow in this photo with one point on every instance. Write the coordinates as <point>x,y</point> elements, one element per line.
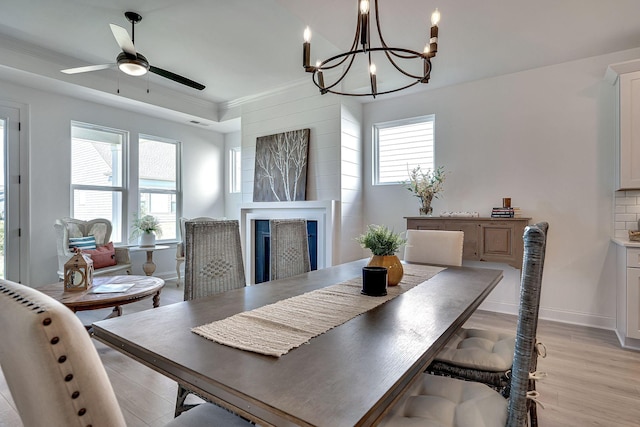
<point>103,256</point>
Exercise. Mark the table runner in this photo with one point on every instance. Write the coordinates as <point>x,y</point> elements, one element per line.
<point>277,328</point>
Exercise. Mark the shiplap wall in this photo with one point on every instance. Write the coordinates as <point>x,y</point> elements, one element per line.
<point>334,165</point>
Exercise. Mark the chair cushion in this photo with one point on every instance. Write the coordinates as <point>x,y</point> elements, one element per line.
<point>210,415</point>
<point>479,349</point>
<point>436,401</point>
<point>104,256</point>
<point>86,242</point>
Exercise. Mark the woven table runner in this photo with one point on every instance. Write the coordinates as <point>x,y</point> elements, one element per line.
<point>279,327</point>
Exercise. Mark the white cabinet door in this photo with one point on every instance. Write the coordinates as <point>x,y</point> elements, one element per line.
<point>628,176</point>
<point>633,302</point>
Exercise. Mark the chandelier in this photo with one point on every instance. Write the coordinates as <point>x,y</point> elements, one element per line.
<point>362,45</point>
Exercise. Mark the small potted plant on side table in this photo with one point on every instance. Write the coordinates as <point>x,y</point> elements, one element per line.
<point>146,228</point>
<point>384,244</point>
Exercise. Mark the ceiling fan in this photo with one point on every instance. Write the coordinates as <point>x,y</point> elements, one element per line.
<point>131,62</point>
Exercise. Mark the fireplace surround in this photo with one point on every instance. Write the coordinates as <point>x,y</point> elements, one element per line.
<point>325,213</point>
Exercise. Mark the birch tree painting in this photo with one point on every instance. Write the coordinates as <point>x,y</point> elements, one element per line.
<point>281,167</point>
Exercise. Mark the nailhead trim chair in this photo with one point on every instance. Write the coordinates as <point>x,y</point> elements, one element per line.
<point>443,247</point>
<point>100,228</point>
<point>54,373</point>
<point>448,402</point>
<point>213,264</point>
<point>289,248</point>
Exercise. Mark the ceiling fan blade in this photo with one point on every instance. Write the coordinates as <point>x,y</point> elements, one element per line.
<point>123,39</point>
<point>87,68</point>
<point>176,78</point>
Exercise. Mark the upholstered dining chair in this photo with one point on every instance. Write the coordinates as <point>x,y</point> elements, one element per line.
<point>482,355</point>
<point>180,246</point>
<point>289,248</point>
<point>53,370</point>
<point>443,247</point>
<point>444,401</point>
<point>100,229</point>
<point>213,264</point>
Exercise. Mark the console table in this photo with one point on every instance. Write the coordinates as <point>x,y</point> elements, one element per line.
<point>485,239</point>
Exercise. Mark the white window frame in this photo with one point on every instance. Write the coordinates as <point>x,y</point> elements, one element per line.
<point>119,216</point>
<point>178,190</point>
<point>235,172</point>
<point>423,162</point>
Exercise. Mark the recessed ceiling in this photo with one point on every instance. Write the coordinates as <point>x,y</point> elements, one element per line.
<point>247,47</point>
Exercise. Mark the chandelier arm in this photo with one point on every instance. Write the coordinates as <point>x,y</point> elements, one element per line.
<point>388,53</point>
<point>344,74</point>
<point>377,93</point>
<point>382,42</point>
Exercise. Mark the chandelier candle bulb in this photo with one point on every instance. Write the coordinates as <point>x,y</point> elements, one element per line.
<point>435,18</point>
<point>306,49</point>
<point>374,86</point>
<point>364,24</point>
<point>321,82</point>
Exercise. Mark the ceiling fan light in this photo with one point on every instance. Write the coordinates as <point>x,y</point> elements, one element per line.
<point>133,66</point>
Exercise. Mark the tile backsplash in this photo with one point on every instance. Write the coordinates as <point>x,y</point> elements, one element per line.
<point>626,212</point>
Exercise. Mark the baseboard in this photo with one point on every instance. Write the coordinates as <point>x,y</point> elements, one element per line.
<point>628,343</point>
<point>583,319</point>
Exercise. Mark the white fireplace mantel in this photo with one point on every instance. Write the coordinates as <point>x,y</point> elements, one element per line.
<point>324,212</point>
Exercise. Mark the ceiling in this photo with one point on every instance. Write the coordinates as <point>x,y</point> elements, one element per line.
<point>244,48</point>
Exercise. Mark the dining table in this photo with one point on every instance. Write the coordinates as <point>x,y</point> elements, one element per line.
<point>349,375</point>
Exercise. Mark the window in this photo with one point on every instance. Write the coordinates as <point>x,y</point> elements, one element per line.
<point>401,145</point>
<point>158,183</point>
<point>98,175</point>
<point>235,168</point>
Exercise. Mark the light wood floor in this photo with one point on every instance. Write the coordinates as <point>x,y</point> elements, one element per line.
<point>591,380</point>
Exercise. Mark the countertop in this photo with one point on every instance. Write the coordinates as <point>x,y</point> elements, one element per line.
<point>625,242</point>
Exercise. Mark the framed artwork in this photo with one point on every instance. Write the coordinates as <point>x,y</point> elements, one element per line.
<point>281,167</point>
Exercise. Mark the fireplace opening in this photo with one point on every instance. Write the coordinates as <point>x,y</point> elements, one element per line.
<point>262,246</point>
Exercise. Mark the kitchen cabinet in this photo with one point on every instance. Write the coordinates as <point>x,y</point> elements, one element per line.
<point>485,239</point>
<point>626,79</point>
<point>628,293</point>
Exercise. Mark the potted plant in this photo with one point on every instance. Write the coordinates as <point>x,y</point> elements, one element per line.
<point>146,228</point>
<point>383,244</point>
<point>426,185</point>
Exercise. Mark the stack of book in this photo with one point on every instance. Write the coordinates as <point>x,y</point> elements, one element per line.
<point>503,213</point>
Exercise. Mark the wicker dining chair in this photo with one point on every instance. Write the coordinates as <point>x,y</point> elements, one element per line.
<point>482,355</point>
<point>181,246</point>
<point>289,248</point>
<point>54,373</point>
<point>213,258</point>
<point>445,401</point>
<point>443,247</point>
<point>213,264</point>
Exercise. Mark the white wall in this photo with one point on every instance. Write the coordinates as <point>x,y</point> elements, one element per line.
<point>543,137</point>
<point>49,132</point>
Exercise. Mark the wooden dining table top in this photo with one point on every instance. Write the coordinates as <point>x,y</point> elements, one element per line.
<point>346,376</point>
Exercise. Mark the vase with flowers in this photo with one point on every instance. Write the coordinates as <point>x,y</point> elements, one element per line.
<point>146,228</point>
<point>383,244</point>
<point>426,185</point>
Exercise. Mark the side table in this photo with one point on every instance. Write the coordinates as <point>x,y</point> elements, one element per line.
<point>148,267</point>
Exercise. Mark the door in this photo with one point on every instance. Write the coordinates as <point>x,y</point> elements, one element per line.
<point>10,193</point>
